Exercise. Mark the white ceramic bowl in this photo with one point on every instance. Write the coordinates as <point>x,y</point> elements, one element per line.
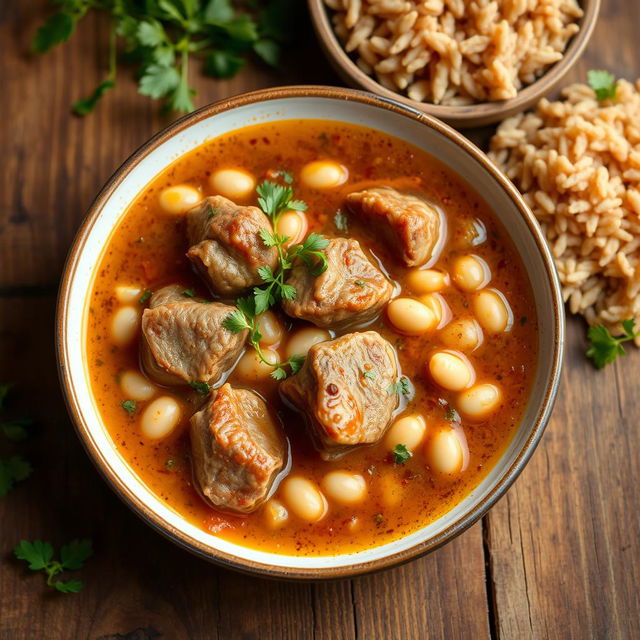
<point>283,104</point>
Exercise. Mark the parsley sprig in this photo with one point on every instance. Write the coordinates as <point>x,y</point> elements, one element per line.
<point>401,454</point>
<point>39,555</point>
<point>246,318</point>
<point>605,348</point>
<point>603,83</point>
<point>161,36</point>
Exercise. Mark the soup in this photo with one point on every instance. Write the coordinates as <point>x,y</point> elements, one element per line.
<point>386,377</point>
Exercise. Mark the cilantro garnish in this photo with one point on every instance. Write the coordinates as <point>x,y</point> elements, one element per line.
<point>161,37</point>
<point>401,454</point>
<point>145,296</point>
<point>39,555</point>
<point>401,387</point>
<point>605,348</point>
<point>603,83</point>
<point>129,406</point>
<point>245,317</point>
<point>201,387</point>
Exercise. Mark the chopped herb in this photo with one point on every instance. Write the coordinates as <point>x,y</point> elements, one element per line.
<point>12,470</point>
<point>145,296</point>
<point>400,387</point>
<point>361,283</point>
<point>378,518</point>
<point>39,556</point>
<point>169,464</point>
<point>523,321</point>
<point>17,428</point>
<point>285,175</point>
<point>201,387</point>
<point>451,415</point>
<point>401,454</point>
<point>245,317</point>
<point>341,221</point>
<point>161,36</point>
<point>369,374</point>
<point>605,348</point>
<point>129,406</point>
<point>211,212</point>
<point>189,293</point>
<point>603,83</point>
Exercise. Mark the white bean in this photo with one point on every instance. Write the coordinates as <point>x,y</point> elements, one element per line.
<point>439,308</point>
<point>344,487</point>
<point>136,386</point>
<point>471,273</point>
<point>270,328</point>
<point>492,311</point>
<point>275,514</point>
<point>304,498</point>
<point>407,430</point>
<point>128,293</point>
<point>124,325</point>
<point>301,341</point>
<point>292,225</point>
<point>160,417</point>
<point>427,280</point>
<point>324,174</point>
<point>451,371</point>
<point>444,452</point>
<point>464,334</point>
<point>479,401</point>
<point>232,183</point>
<point>410,316</point>
<point>179,199</point>
<point>250,367</point>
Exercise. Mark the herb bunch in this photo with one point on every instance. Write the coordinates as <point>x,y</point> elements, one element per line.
<point>274,199</point>
<point>161,36</point>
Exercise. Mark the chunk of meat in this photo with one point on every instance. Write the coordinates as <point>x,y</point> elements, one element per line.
<point>410,224</point>
<point>352,291</point>
<point>237,449</point>
<point>183,340</point>
<point>344,390</point>
<point>226,247</point>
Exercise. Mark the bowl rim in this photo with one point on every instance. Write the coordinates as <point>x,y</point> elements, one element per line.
<point>238,562</point>
<point>478,114</point>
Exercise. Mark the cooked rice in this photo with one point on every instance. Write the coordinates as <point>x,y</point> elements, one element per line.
<point>455,52</point>
<point>577,162</point>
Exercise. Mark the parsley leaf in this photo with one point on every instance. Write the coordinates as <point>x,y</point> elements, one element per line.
<point>84,106</point>
<point>58,28</point>
<point>369,374</point>
<point>401,387</point>
<point>603,83</point>
<point>605,348</point>
<point>129,406</point>
<point>145,296</point>
<point>201,387</point>
<point>39,557</point>
<point>401,454</point>
<point>189,293</point>
<point>12,470</point>
<point>17,429</point>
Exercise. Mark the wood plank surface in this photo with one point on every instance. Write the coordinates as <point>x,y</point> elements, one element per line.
<point>558,557</point>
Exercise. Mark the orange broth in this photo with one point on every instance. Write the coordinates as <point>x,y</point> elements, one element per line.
<point>148,250</point>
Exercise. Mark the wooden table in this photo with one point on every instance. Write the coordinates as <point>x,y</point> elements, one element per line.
<point>558,557</point>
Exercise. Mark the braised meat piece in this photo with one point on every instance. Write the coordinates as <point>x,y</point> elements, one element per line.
<point>352,291</point>
<point>183,340</point>
<point>226,247</point>
<point>410,224</point>
<point>344,390</point>
<point>237,449</point>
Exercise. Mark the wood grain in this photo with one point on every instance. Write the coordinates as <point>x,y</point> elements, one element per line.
<point>558,557</point>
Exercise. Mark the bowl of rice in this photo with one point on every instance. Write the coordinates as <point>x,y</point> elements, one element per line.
<point>468,62</point>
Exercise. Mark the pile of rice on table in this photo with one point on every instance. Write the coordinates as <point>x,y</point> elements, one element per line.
<point>577,162</point>
<point>455,52</point>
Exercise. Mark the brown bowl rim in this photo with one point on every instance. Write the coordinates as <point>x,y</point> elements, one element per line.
<point>474,115</point>
<point>237,562</point>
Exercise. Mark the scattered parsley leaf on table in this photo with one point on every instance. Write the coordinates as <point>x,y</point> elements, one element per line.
<point>12,470</point>
<point>39,556</point>
<point>161,36</point>
<point>603,83</point>
<point>605,348</point>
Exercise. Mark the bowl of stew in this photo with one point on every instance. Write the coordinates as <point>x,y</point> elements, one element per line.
<point>308,332</point>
